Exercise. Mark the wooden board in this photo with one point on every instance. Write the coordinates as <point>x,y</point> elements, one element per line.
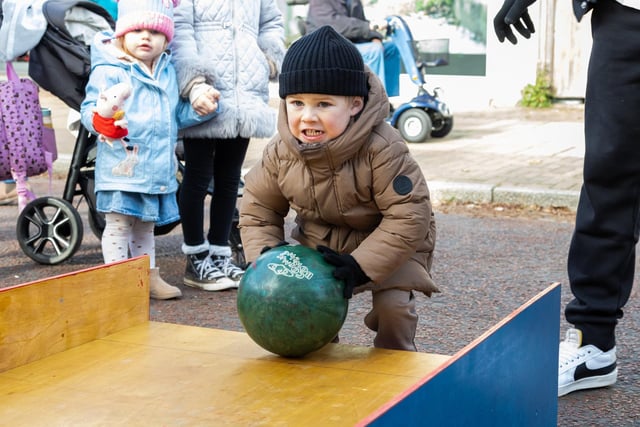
<point>82,352</point>
<point>165,374</point>
<point>45,317</point>
<point>506,377</point>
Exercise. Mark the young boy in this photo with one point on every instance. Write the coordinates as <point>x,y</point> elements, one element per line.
<point>359,196</point>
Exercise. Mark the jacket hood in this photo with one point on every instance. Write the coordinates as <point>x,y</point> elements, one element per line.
<point>344,147</point>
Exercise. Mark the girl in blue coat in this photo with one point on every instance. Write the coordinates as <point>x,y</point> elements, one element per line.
<point>135,176</point>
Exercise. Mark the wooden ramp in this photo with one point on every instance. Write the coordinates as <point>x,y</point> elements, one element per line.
<point>108,365</point>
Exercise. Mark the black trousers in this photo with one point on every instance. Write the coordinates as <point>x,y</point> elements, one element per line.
<point>602,254</point>
<point>220,159</point>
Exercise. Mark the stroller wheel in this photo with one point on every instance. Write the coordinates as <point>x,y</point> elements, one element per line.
<point>49,230</point>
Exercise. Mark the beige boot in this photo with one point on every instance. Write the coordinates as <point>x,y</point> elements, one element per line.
<point>159,289</point>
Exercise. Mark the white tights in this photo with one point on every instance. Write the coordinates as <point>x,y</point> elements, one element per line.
<point>123,234</point>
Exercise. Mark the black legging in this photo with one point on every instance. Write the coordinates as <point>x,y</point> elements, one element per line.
<point>206,158</point>
<point>603,248</point>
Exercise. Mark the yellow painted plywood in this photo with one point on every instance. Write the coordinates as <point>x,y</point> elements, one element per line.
<point>42,318</point>
<point>165,374</point>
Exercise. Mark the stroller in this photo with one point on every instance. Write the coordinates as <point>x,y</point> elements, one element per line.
<point>50,229</point>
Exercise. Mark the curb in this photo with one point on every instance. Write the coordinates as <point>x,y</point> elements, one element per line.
<point>443,191</point>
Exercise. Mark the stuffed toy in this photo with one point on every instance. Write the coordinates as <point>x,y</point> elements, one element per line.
<point>108,115</point>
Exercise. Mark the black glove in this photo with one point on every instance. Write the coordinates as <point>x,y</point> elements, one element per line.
<point>267,248</point>
<point>347,270</point>
<point>513,12</point>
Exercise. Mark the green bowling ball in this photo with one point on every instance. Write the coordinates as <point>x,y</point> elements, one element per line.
<point>289,302</point>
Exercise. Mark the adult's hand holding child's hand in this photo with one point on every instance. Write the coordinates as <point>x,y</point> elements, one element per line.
<point>206,102</point>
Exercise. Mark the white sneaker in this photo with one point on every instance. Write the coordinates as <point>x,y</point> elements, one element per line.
<point>226,265</point>
<point>202,274</point>
<point>583,367</point>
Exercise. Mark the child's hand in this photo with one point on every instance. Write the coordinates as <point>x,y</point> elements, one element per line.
<point>347,269</point>
<point>207,101</point>
<point>205,104</point>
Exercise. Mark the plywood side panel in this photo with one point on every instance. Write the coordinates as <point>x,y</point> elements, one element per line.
<point>506,377</point>
<point>48,316</point>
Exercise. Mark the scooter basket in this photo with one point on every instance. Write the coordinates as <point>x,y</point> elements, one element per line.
<point>432,52</point>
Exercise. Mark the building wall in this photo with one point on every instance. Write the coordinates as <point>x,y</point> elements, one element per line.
<point>559,43</point>
<point>571,48</point>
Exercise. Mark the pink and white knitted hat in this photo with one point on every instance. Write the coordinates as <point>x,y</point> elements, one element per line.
<point>146,14</point>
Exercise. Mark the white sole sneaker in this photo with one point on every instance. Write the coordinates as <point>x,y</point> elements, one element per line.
<point>219,285</point>
<point>583,367</point>
<point>589,382</point>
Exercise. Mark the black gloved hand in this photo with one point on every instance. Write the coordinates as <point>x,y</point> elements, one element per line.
<point>513,12</point>
<point>347,270</point>
<point>280,243</point>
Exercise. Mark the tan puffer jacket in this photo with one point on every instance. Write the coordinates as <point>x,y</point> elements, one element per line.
<point>361,193</point>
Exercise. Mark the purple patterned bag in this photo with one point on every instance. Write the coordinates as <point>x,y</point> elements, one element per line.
<point>21,146</point>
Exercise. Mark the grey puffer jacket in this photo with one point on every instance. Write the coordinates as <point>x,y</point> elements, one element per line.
<point>230,45</point>
<point>361,193</point>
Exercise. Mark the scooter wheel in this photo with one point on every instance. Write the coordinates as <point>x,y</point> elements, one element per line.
<point>49,230</point>
<point>414,125</point>
<point>445,126</point>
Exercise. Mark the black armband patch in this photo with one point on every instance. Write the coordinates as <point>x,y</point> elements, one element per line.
<point>402,185</point>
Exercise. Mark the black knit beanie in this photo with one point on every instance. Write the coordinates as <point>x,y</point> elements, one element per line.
<point>323,62</point>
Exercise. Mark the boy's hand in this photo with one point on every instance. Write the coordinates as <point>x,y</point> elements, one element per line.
<point>347,269</point>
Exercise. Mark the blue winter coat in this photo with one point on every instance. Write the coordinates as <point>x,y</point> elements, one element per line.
<point>154,113</point>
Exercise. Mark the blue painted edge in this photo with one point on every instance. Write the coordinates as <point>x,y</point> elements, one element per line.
<point>506,377</point>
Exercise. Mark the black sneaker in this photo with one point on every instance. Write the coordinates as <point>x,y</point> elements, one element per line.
<point>201,273</point>
<point>227,266</point>
<point>584,366</point>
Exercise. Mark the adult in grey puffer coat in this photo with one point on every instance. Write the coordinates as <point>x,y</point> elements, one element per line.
<point>232,48</point>
<point>237,47</point>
